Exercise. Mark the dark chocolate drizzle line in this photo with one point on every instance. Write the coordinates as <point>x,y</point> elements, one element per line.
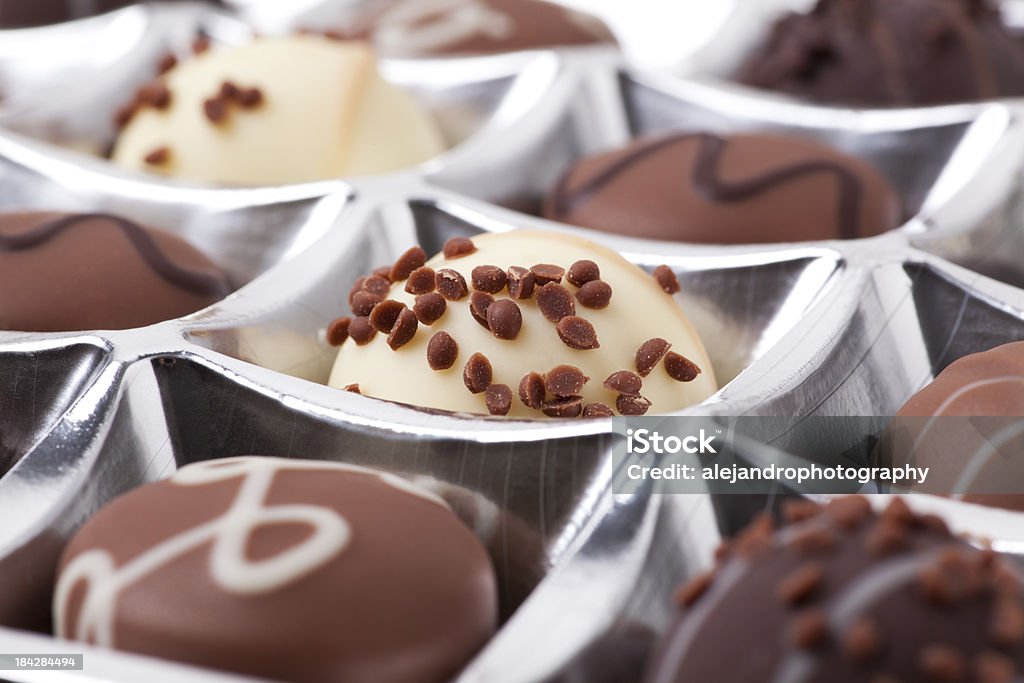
<point>708,183</point>
<point>195,282</point>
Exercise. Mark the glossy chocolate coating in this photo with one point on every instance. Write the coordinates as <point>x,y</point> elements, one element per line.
<point>895,598</point>
<point>407,594</point>
<point>738,189</point>
<point>67,272</point>
<point>898,53</point>
<point>26,13</point>
<point>425,28</point>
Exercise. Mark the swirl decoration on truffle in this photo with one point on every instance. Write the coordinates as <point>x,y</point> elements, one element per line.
<point>708,181</point>
<point>196,282</point>
<point>436,24</point>
<point>228,534</point>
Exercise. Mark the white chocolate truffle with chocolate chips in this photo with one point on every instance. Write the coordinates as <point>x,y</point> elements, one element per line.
<point>277,110</point>
<point>524,324</point>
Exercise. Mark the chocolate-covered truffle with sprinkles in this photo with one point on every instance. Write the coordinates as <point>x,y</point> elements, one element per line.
<point>560,327</point>
<point>843,594</point>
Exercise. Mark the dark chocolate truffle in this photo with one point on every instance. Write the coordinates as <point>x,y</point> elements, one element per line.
<point>738,189</point>
<point>848,596</point>
<point>966,428</point>
<point>426,28</point>
<point>899,53</point>
<point>26,13</point>
<point>68,272</point>
<point>286,569</point>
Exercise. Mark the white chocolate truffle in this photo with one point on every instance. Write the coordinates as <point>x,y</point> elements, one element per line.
<point>639,310</point>
<point>323,112</point>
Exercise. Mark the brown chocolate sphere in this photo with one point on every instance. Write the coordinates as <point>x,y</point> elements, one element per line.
<point>68,272</point>
<point>286,569</point>
<point>736,189</point>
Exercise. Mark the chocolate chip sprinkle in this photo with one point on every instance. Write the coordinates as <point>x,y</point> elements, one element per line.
<point>361,330</point>
<point>994,667</point>
<point>597,410</point>
<point>563,406</point>
<point>166,63</point>
<point>532,391</point>
<point>499,399</point>
<point>384,315</point>
<point>363,302</point>
<point>352,389</point>
<point>555,302</point>
<point>442,351</point>
<point>421,281</point>
<point>667,279</point>
<point>680,368</point>
<point>504,319</point>
<point>582,272</point>
<point>691,591</point>
<point>457,247</point>
<point>158,157</point>
<point>798,586</point>
<point>809,630</point>
<point>383,272</point>
<point>215,109</point>
<point>624,382</point>
<point>413,258</point>
<point>228,90</point>
<point>1007,627</point>
<point>861,641</point>
<point>942,663</point>
<point>477,374</point>
<point>565,380</point>
<point>577,333</point>
<point>544,273</point>
<point>337,331</point>
<point>650,354</point>
<point>377,285</point>
<point>451,284</point>
<point>404,329</point>
<point>201,44</point>
<point>429,308</point>
<point>479,303</point>
<point>249,98</point>
<point>632,405</point>
<point>596,294</point>
<point>521,282</point>
<point>490,279</point>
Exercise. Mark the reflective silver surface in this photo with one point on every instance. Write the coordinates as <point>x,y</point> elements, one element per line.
<point>808,329</point>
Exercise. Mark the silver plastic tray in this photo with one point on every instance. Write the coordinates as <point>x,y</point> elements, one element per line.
<point>807,329</point>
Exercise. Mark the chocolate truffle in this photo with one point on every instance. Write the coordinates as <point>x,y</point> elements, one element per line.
<point>848,596</point>
<point>276,110</point>
<point>432,28</point>
<point>527,344</point>
<point>286,569</point>
<point>966,427</point>
<point>891,53</point>
<point>67,272</point>
<point>26,13</point>
<point>736,189</point>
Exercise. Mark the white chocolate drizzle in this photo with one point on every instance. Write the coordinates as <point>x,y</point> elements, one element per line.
<point>428,25</point>
<point>229,534</point>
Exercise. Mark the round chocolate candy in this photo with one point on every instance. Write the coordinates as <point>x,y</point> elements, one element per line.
<point>67,272</point>
<point>286,569</point>
<point>737,189</point>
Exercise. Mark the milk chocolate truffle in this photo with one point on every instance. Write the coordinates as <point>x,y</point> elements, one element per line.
<point>432,28</point>
<point>287,569</point>
<point>26,13</point>
<point>891,53</point>
<point>848,596</point>
<point>507,332</point>
<point>276,110</point>
<point>967,426</point>
<point>735,189</point>
<point>66,272</point>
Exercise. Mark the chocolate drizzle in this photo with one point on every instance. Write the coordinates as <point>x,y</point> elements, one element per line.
<point>195,282</point>
<point>707,180</point>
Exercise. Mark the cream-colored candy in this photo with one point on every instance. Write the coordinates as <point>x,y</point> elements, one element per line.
<point>639,310</point>
<point>325,113</point>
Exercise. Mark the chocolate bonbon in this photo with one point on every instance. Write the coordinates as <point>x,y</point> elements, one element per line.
<point>505,339</point>
<point>66,272</point>
<point>286,569</point>
<point>741,188</point>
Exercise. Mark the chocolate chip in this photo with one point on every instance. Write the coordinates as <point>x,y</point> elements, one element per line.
<point>650,354</point>
<point>632,405</point>
<point>596,294</point>
<point>156,95</point>
<point>531,390</point>
<point>814,541</point>
<point>249,98</point>
<point>861,642</point>
<point>504,319</point>
<point>429,308</point>
<point>801,584</point>
<point>166,63</point>
<point>887,538</point>
<point>363,302</point>
<point>384,315</point>
<point>691,591</point>
<point>352,389</point>
<point>578,334</point>
<point>565,380</point>
<point>357,287</point>
<point>125,114</point>
<point>667,279</point>
<point>442,351</point>
<point>849,512</point>
<point>1007,627</point>
<point>200,45</point>
<point>375,284</point>
<point>383,272</point>
<point>942,663</point>
<point>490,279</point>
<point>404,329</point>
<point>158,157</point>
<point>215,109</point>
<point>521,282</point>
<point>564,406</point>
<point>555,302</point>
<point>412,259</point>
<point>478,373</point>
<point>809,630</point>
<point>337,331</point>
<point>499,399</point>
<point>544,273</point>
<point>582,272</point>
<point>361,330</point>
<point>421,281</point>
<point>458,246</point>
<point>993,667</point>
<point>479,302</point>
<point>680,368</point>
<point>451,284</point>
<point>624,382</point>
<point>898,511</point>
<point>798,510</point>
<point>228,90</point>
<point>597,410</point>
